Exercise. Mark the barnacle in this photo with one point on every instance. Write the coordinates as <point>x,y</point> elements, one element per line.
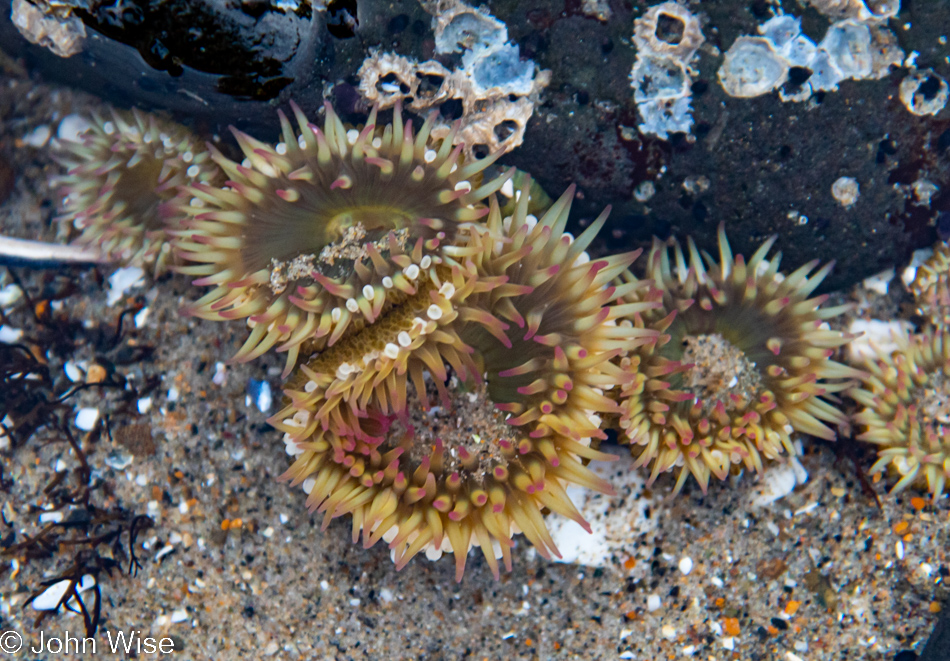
<point>523,322</point>
<point>744,360</point>
<point>313,238</point>
<point>931,287</point>
<point>120,174</point>
<point>905,399</point>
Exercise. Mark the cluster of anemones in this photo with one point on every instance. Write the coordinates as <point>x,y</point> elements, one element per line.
<point>453,362</point>
<point>452,367</point>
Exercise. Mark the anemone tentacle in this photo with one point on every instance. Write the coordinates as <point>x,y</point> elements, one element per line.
<point>121,174</point>
<point>318,236</point>
<point>744,360</point>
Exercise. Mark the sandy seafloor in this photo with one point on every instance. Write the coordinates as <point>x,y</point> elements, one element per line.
<point>821,573</point>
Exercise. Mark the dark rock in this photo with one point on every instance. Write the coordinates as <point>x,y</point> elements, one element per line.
<point>770,165</point>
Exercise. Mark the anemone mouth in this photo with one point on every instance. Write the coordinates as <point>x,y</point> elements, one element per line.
<point>515,357</point>
<point>717,373</point>
<point>119,178</point>
<point>314,238</point>
<point>905,412</point>
<point>743,360</point>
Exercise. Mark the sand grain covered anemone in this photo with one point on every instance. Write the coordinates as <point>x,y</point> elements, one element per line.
<point>905,400</point>
<point>503,399</point>
<point>316,236</point>
<point>119,175</point>
<point>743,361</point>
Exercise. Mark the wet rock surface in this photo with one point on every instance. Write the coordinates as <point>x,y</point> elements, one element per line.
<point>769,165</point>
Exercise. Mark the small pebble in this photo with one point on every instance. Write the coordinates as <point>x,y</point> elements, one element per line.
<point>95,374</point>
<point>653,602</point>
<point>141,317</point>
<point>73,373</point>
<point>259,393</point>
<point>38,136</point>
<point>118,460</point>
<point>9,335</point>
<point>220,374</point>
<point>9,295</point>
<point>122,281</point>
<point>86,418</point>
<point>686,565</point>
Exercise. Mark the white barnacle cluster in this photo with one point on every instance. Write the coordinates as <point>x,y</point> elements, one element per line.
<point>858,46</point>
<point>661,77</point>
<point>497,89</point>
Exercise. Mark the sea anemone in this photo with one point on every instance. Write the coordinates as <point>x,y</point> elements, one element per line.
<point>119,175</point>
<point>906,412</point>
<point>744,360</point>
<point>317,236</point>
<point>931,287</point>
<point>525,326</point>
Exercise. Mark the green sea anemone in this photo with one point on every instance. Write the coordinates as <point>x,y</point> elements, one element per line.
<point>744,360</point>
<point>119,175</point>
<point>317,236</point>
<point>905,400</point>
<point>527,334</point>
<point>931,287</point>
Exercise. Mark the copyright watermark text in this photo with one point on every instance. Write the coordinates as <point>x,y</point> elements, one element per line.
<point>114,642</point>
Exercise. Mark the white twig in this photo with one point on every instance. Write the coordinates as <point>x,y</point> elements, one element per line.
<point>37,253</point>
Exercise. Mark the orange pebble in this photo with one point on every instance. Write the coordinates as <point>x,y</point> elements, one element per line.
<point>918,503</point>
<point>731,625</point>
<point>236,523</point>
<point>792,607</point>
<point>901,527</point>
<point>629,563</point>
<point>95,374</point>
<point>225,524</point>
<point>934,607</point>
